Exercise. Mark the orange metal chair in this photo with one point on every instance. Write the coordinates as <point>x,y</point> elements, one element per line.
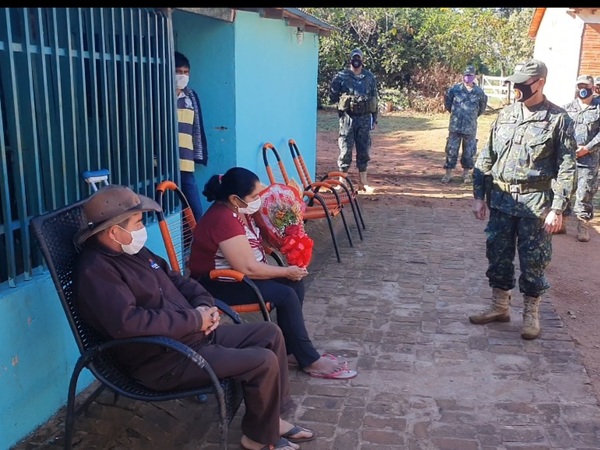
<point>314,211</point>
<point>347,195</point>
<point>177,233</point>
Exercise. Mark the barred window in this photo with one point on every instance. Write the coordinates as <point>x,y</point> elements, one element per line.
<point>80,89</point>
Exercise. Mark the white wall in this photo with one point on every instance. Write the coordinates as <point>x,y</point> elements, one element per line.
<point>558,44</point>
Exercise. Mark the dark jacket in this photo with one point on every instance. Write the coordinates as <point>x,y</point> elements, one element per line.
<point>123,295</point>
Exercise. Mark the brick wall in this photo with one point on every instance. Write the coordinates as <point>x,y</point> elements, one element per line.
<point>589,63</point>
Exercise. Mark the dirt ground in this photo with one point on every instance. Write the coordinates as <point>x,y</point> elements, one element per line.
<point>407,156</point>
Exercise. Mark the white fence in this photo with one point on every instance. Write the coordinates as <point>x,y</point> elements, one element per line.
<point>495,87</point>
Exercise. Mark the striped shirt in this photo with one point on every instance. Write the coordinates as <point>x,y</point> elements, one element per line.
<point>185,116</point>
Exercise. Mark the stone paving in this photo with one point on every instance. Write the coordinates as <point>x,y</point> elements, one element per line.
<point>397,308</point>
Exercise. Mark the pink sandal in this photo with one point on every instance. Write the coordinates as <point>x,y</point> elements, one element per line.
<point>341,374</point>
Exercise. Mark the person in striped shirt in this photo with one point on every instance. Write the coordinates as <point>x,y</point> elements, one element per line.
<point>192,138</point>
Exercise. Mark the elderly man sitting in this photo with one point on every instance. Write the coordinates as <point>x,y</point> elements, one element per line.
<point>125,290</point>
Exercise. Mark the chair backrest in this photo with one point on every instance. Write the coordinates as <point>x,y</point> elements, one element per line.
<point>177,230</point>
<point>265,149</point>
<point>301,168</point>
<point>54,232</point>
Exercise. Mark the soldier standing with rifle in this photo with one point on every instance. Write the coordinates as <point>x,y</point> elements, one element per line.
<point>354,90</point>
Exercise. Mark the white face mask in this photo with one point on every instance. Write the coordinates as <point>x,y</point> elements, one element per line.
<point>181,81</point>
<point>252,207</point>
<point>138,240</point>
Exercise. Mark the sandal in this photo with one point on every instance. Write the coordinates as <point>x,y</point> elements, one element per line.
<point>342,373</point>
<point>282,444</point>
<point>296,429</point>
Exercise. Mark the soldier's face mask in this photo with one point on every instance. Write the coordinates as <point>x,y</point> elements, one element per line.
<point>584,92</point>
<point>524,92</point>
<point>469,78</point>
<point>356,62</point>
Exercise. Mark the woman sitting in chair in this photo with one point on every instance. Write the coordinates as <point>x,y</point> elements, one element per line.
<point>226,237</point>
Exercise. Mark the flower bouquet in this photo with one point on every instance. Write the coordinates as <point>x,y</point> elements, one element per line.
<point>280,219</point>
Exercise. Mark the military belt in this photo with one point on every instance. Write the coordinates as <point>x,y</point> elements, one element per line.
<point>524,188</point>
<point>353,114</point>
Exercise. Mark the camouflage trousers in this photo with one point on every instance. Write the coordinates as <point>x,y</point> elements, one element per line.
<point>582,205</point>
<point>469,149</point>
<point>505,235</point>
<point>354,131</point>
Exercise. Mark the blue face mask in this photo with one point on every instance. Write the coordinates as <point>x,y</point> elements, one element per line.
<point>584,93</point>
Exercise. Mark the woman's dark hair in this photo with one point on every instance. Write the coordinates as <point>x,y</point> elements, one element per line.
<point>181,61</point>
<point>236,181</point>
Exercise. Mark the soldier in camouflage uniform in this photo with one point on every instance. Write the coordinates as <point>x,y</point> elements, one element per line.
<point>597,87</point>
<point>465,102</point>
<point>354,90</point>
<point>585,112</point>
<point>530,157</point>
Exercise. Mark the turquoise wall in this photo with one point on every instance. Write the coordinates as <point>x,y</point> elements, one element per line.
<point>38,353</point>
<point>256,83</point>
<point>209,46</point>
<point>276,92</point>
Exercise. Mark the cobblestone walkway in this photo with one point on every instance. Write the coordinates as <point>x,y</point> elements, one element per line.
<point>396,308</point>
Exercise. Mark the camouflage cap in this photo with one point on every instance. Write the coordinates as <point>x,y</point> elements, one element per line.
<point>597,80</point>
<point>356,52</point>
<point>533,68</point>
<point>588,80</point>
<point>469,70</point>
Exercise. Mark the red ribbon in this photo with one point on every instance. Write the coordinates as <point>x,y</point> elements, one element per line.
<point>297,246</point>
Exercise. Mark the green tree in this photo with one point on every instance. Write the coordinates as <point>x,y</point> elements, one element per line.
<point>407,48</point>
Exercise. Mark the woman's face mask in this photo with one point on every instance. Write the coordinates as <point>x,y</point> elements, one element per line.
<point>252,207</point>
<point>138,240</point>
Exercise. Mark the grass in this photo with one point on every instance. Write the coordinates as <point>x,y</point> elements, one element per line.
<point>416,132</point>
<point>423,127</point>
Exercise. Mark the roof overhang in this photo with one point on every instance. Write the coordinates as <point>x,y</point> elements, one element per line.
<point>536,20</point>
<point>226,14</point>
<point>538,15</point>
<point>295,17</point>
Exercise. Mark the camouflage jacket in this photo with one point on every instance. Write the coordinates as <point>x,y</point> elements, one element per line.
<point>586,122</point>
<point>539,150</point>
<point>346,82</point>
<point>464,107</point>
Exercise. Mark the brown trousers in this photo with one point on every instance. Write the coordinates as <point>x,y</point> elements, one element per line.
<point>255,354</point>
